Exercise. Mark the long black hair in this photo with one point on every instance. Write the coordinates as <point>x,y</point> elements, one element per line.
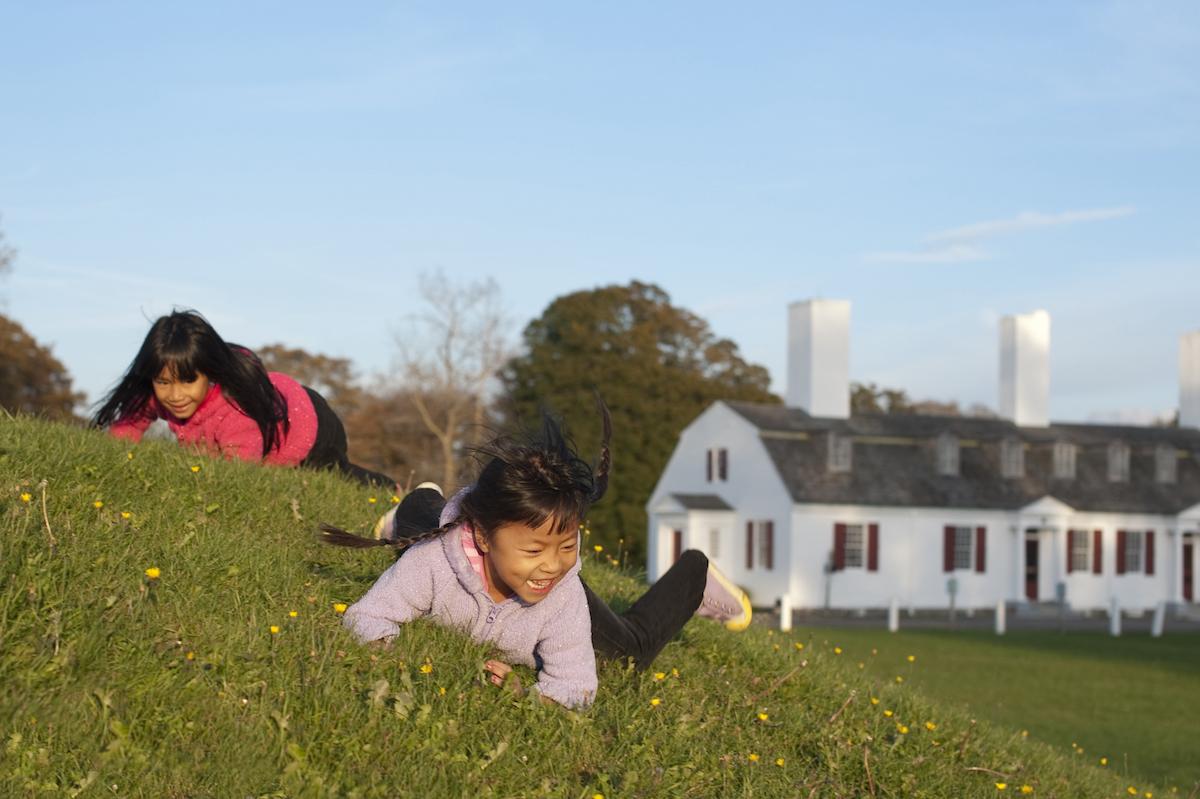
<point>185,344</point>
<point>526,480</point>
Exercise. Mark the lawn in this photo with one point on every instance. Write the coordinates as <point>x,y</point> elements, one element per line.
<point>1133,700</point>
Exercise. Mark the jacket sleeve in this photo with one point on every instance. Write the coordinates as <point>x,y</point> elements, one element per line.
<point>402,593</point>
<point>568,661</point>
<point>132,427</point>
<point>237,436</point>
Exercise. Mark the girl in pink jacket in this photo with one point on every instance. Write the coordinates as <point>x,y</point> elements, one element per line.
<point>218,397</point>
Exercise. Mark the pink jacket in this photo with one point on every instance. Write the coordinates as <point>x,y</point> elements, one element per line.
<point>221,427</point>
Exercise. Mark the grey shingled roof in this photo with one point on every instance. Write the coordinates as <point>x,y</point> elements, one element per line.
<point>701,502</point>
<point>895,463</point>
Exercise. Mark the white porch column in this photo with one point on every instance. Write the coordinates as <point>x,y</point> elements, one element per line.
<point>1018,573</point>
<point>1175,581</point>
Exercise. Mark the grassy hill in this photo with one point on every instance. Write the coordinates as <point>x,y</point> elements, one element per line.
<point>229,674</point>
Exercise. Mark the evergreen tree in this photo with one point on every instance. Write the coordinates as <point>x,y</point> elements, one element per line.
<point>657,366</point>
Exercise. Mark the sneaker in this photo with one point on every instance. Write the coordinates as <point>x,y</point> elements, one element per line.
<point>723,601</point>
<point>419,512</point>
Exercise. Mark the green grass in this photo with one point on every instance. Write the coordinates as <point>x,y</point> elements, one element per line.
<point>111,684</point>
<point>1132,700</point>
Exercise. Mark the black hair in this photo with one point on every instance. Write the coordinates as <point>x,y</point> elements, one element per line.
<point>524,480</point>
<point>186,345</point>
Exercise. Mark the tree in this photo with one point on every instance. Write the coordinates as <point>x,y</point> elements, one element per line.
<point>32,380</point>
<point>657,367</point>
<point>870,398</point>
<point>7,255</point>
<point>332,378</point>
<point>448,354</point>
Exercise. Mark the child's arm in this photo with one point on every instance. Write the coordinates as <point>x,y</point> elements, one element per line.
<point>402,593</point>
<point>238,437</point>
<point>568,673</point>
<point>132,427</point>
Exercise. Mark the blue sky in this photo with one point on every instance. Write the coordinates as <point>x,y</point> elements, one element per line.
<point>290,169</point>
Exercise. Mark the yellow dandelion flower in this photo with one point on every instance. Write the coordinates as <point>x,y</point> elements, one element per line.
<point>339,607</point>
<point>395,500</point>
<point>1148,795</point>
<point>674,672</point>
<point>1131,791</point>
<point>372,500</point>
<point>763,717</point>
<point>1026,789</point>
<point>128,456</point>
<point>903,730</point>
<point>655,702</point>
<point>598,548</point>
<point>912,658</point>
<point>874,652</point>
<point>660,675</point>
<point>126,514</point>
<point>799,646</point>
<point>1000,786</point>
<point>597,796</point>
<point>874,700</point>
<point>752,757</point>
<point>837,650</point>
<point>292,614</point>
<point>888,713</point>
<point>899,679</point>
<point>26,496</point>
<point>779,761</point>
<point>274,629</point>
<point>861,665</point>
<point>929,725</point>
<point>153,573</point>
<point>190,655</point>
<point>441,690</point>
<point>98,504</point>
<point>1024,733</point>
<point>426,668</point>
<point>195,468</point>
<point>1104,761</point>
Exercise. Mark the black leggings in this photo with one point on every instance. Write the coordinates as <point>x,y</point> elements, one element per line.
<point>329,450</point>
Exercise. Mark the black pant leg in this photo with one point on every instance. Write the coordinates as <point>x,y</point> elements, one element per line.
<point>642,631</point>
<point>330,448</point>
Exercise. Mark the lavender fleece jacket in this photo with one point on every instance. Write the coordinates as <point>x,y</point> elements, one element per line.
<point>435,579</point>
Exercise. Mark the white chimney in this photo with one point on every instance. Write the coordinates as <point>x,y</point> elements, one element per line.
<point>819,357</point>
<point>1025,368</point>
<point>1189,379</point>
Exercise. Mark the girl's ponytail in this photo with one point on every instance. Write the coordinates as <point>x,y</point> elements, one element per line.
<point>340,538</point>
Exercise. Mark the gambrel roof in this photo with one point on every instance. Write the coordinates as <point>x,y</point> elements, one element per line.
<point>895,462</point>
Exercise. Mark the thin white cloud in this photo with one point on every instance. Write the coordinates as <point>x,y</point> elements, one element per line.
<point>961,244</point>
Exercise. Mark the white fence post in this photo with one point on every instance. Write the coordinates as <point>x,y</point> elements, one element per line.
<point>894,615</point>
<point>1114,618</point>
<point>1160,613</point>
<point>785,613</point>
<point>1001,619</point>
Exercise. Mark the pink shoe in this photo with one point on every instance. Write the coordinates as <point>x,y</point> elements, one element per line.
<point>723,601</point>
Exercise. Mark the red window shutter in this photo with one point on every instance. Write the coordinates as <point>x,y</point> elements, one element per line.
<point>981,549</point>
<point>872,547</point>
<point>708,465</point>
<point>1120,551</point>
<point>1070,541</point>
<point>769,541</point>
<point>723,464</point>
<point>1149,552</point>
<point>948,549</point>
<point>749,545</point>
<point>1097,557</point>
<point>839,547</point>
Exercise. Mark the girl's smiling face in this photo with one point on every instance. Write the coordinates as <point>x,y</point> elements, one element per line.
<point>181,398</point>
<point>527,561</point>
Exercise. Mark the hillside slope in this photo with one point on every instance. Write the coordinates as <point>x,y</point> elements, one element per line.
<point>229,675</point>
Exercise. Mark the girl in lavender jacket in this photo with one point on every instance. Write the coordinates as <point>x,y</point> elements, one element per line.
<point>218,397</point>
<point>500,561</point>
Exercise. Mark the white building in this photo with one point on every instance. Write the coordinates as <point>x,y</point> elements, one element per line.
<point>811,505</point>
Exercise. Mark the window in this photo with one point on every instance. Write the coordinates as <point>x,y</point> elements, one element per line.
<point>964,548</point>
<point>1165,463</point>
<point>1012,458</point>
<point>1118,462</point>
<point>717,464</point>
<point>762,532</point>
<point>1129,550</point>
<point>947,455</point>
<point>1064,460</point>
<point>714,544</point>
<point>841,453</point>
<point>1078,552</point>
<point>856,546</point>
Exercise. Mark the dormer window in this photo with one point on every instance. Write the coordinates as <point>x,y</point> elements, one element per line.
<point>1165,463</point>
<point>1012,458</point>
<point>947,455</point>
<point>841,453</point>
<point>1118,462</point>
<point>1064,460</point>
<point>717,465</point>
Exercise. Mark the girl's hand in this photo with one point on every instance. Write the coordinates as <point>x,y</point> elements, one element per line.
<point>500,672</point>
